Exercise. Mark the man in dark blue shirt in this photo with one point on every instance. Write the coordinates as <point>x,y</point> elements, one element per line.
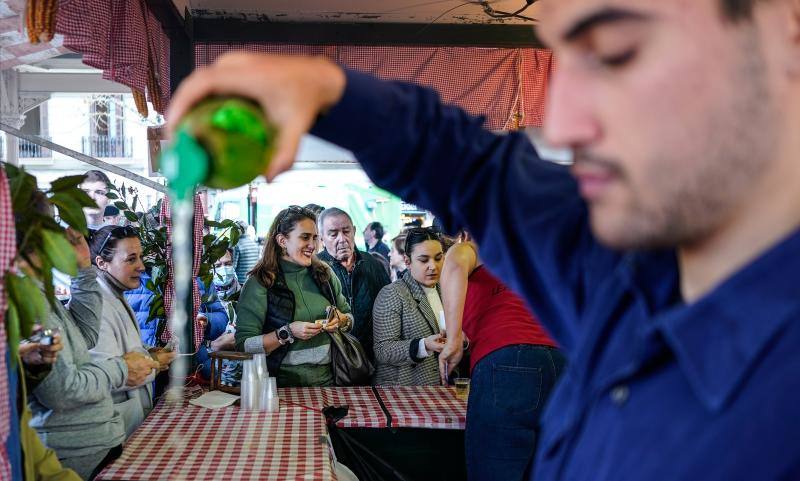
<point>667,265</point>
<point>373,238</point>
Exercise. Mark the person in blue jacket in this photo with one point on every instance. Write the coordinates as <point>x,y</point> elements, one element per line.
<point>140,300</point>
<point>218,314</point>
<point>665,260</point>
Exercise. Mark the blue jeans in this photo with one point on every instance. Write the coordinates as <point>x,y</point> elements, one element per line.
<point>508,391</point>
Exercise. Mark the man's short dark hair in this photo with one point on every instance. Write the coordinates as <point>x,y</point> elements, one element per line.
<point>738,9</point>
<point>377,228</point>
<point>97,176</point>
<point>332,212</point>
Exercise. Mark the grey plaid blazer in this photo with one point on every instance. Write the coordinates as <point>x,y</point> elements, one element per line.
<point>401,316</point>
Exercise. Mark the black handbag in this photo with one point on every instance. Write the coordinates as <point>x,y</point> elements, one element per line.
<point>349,361</point>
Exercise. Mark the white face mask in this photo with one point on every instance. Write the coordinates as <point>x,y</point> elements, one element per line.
<point>223,275</point>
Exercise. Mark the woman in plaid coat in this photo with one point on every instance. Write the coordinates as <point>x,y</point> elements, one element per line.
<point>408,316</point>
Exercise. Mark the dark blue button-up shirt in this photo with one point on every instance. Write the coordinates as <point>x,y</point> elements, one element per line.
<point>656,389</point>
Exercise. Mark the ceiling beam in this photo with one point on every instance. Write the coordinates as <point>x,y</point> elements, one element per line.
<point>224,30</point>
<point>46,83</point>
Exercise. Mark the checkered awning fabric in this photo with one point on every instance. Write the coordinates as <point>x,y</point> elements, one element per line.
<point>494,82</point>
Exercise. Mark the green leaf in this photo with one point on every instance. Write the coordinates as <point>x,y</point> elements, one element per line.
<point>67,183</point>
<point>81,197</point>
<point>70,211</point>
<point>204,269</point>
<point>213,223</point>
<point>47,280</point>
<point>112,195</point>
<point>45,222</point>
<point>121,205</point>
<point>31,305</point>
<point>60,252</point>
<point>229,223</point>
<point>22,185</point>
<point>12,328</point>
<point>156,308</point>
<point>11,170</point>
<point>234,237</point>
<point>157,272</point>
<point>131,216</point>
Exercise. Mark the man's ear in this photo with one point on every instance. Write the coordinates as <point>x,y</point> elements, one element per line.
<point>100,263</point>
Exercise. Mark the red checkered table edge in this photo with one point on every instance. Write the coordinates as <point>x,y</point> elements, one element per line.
<point>364,408</point>
<point>431,407</point>
<point>186,442</point>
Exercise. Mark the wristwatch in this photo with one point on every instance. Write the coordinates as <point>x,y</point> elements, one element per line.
<point>285,335</point>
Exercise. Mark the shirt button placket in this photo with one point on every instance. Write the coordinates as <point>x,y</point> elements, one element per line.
<point>620,394</point>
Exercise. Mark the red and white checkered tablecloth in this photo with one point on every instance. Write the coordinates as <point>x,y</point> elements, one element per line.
<point>364,409</point>
<point>432,407</point>
<point>187,442</point>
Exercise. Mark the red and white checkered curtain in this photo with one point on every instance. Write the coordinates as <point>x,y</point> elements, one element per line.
<point>8,247</point>
<point>169,293</point>
<point>507,86</point>
<point>112,35</point>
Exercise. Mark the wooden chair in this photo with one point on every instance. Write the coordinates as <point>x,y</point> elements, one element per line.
<point>216,368</point>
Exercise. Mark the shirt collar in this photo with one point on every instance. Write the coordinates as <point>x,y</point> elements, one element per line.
<point>328,257</point>
<point>718,339</point>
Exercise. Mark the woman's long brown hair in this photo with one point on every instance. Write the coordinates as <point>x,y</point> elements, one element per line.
<point>267,268</point>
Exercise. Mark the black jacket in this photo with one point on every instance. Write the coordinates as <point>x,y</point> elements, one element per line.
<point>366,281</point>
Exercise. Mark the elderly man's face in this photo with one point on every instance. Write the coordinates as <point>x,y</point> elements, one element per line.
<point>338,236</point>
<point>674,111</point>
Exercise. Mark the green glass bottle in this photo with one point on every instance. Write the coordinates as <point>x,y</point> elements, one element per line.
<point>222,143</point>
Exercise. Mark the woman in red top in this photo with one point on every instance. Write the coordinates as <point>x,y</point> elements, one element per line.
<point>513,362</point>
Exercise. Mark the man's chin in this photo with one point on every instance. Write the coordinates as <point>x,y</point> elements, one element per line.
<point>626,234</point>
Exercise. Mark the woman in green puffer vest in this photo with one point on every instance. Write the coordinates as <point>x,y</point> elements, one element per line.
<point>285,301</point>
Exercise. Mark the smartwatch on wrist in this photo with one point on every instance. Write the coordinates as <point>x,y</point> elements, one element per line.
<point>285,335</point>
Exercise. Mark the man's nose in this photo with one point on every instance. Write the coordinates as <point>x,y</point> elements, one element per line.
<point>569,120</point>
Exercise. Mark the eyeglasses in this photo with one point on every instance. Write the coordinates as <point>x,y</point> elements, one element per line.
<point>122,232</point>
<point>295,209</point>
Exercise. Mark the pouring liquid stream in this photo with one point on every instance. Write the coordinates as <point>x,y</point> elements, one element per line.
<point>182,216</point>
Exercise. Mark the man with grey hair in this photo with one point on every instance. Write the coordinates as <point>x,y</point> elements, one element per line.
<point>361,275</point>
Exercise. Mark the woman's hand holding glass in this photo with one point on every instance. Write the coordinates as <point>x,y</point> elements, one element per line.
<point>434,343</point>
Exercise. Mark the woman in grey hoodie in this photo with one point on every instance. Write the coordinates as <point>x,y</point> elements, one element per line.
<point>72,408</point>
<point>117,253</point>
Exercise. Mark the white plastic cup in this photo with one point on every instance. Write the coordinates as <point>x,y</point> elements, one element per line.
<point>269,395</point>
<point>260,361</point>
<point>250,386</point>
